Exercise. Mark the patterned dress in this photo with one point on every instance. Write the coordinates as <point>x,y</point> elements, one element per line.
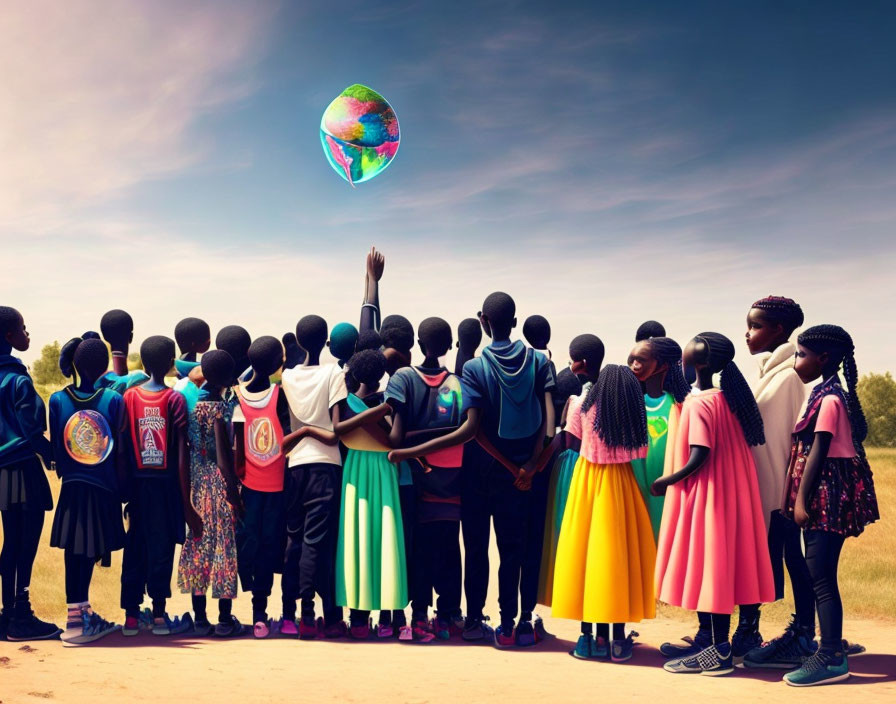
<point>209,561</point>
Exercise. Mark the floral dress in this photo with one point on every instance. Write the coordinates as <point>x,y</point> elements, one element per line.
<point>209,561</point>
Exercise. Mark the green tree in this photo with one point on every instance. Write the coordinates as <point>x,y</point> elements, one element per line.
<point>877,392</point>
<point>45,371</point>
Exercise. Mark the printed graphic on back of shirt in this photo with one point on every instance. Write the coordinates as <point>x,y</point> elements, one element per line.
<point>151,437</point>
<point>87,437</point>
<point>443,404</point>
<point>262,442</point>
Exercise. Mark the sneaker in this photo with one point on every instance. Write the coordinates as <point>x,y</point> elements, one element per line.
<point>600,649</point>
<point>134,624</point>
<point>712,661</point>
<point>405,633</point>
<point>334,630</point>
<point>262,628</point>
<point>360,631</point>
<point>476,629</point>
<point>231,628</point>
<point>821,668</point>
<point>852,650</point>
<point>621,650</point>
<point>165,626</point>
<point>525,634</point>
<point>91,627</point>
<point>786,652</point>
<point>4,623</point>
<point>540,631</point>
<point>422,632</point>
<point>584,647</point>
<point>456,626</point>
<point>308,629</point>
<point>288,627</point>
<point>203,628</point>
<point>504,637</point>
<point>692,646</point>
<point>30,627</point>
<point>743,641</point>
<point>441,628</point>
<point>385,631</point>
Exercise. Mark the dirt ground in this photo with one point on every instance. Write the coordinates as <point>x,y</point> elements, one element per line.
<point>149,668</point>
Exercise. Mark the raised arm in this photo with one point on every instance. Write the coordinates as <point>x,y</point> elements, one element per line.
<point>370,308</point>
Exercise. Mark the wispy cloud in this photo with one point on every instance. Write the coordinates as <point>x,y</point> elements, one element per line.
<point>99,96</point>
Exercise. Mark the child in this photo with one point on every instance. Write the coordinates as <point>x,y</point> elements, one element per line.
<point>829,491</point>
<point>712,552</point>
<point>295,355</point>
<point>605,555</point>
<point>469,335</point>
<point>85,428</point>
<point>117,328</point>
<point>648,329</point>
<point>427,402</point>
<point>312,499</point>
<point>24,490</point>
<point>505,391</point>
<point>780,396</point>
<point>235,340</point>
<point>343,338</point>
<point>370,559</point>
<point>157,440</point>
<point>258,436</point>
<point>209,555</point>
<point>656,362</point>
<point>586,353</point>
<point>193,338</point>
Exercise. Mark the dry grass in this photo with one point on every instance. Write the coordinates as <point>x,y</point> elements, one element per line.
<point>867,567</point>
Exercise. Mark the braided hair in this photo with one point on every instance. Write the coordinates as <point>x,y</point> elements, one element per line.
<point>839,345</point>
<point>648,329</point>
<point>667,351</point>
<point>620,420</point>
<point>737,393</point>
<point>781,311</point>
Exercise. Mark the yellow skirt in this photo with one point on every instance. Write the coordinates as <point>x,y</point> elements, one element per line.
<point>606,553</point>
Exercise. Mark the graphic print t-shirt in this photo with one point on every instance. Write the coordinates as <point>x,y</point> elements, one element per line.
<point>154,418</point>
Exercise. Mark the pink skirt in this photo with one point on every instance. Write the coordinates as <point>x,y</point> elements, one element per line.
<point>712,552</point>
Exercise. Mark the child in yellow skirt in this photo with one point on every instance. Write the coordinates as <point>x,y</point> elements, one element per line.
<point>605,555</point>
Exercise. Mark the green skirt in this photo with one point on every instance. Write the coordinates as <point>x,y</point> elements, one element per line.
<point>371,570</point>
<point>558,492</point>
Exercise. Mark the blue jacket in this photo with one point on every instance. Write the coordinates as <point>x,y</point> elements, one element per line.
<point>23,418</point>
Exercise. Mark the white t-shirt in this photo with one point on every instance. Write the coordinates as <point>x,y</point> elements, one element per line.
<point>311,393</point>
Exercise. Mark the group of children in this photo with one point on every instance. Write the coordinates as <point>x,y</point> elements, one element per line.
<point>608,486</point>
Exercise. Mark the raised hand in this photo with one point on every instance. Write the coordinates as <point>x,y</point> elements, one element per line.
<point>376,263</point>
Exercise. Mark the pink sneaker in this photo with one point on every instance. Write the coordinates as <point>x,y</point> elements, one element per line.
<point>360,632</point>
<point>262,629</point>
<point>288,627</point>
<point>385,630</point>
<point>422,632</point>
<point>307,630</point>
<point>405,633</point>
<point>334,630</point>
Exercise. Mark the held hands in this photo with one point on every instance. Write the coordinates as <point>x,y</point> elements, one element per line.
<point>524,478</point>
<point>376,262</point>
<point>194,522</point>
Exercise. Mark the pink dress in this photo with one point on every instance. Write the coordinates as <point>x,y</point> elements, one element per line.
<point>712,552</point>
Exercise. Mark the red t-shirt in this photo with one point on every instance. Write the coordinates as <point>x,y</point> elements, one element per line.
<point>154,419</point>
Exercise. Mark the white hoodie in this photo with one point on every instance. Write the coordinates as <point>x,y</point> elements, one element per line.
<point>780,396</point>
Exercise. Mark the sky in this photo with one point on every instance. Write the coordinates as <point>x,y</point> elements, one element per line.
<point>604,163</point>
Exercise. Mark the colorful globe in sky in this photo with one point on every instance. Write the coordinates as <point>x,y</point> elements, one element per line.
<point>359,134</point>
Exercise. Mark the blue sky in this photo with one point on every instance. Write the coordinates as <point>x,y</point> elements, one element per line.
<point>602,162</point>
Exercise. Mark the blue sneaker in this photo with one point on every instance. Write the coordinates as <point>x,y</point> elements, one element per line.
<point>713,661</point>
<point>821,668</point>
<point>584,647</point>
<point>621,650</point>
<point>601,649</point>
<point>91,627</point>
<point>691,646</point>
<point>525,634</point>
<point>786,652</point>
